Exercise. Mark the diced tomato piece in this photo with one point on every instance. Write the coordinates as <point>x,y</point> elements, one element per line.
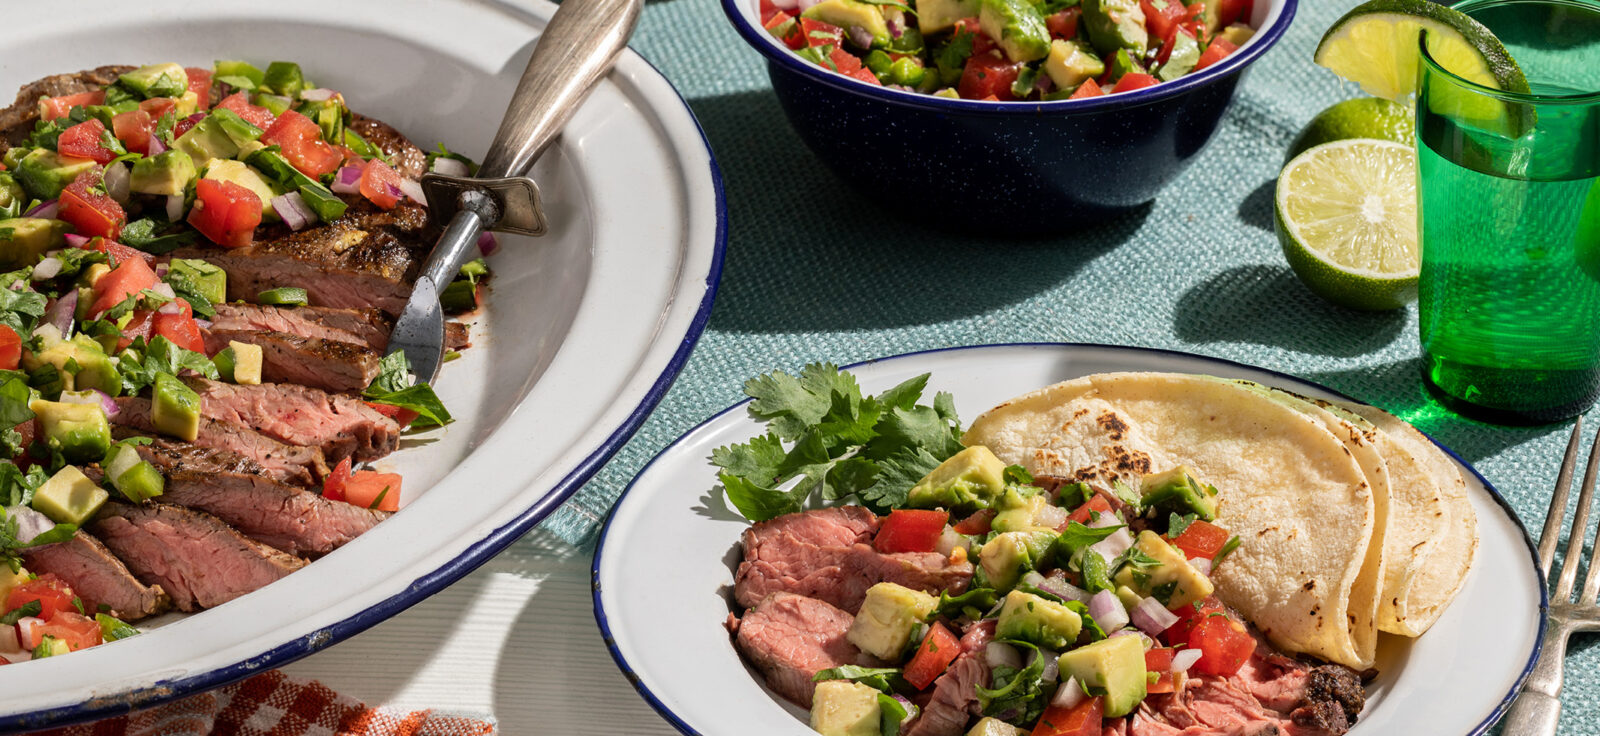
<point>1162,16</point>
<point>91,213</point>
<point>977,523</point>
<point>792,37</point>
<point>1188,617</point>
<point>910,530</point>
<point>139,322</point>
<point>118,252</point>
<point>10,348</point>
<point>1235,11</point>
<point>180,330</point>
<point>1098,504</point>
<point>200,85</point>
<point>76,630</point>
<point>301,140</point>
<point>1201,540</point>
<point>1089,88</point>
<point>401,415</point>
<point>256,115</point>
<point>373,490</point>
<point>1080,720</point>
<point>83,141</point>
<point>1159,659</point>
<point>1164,683</point>
<point>864,74</point>
<point>155,107</point>
<point>183,126</point>
<point>52,593</point>
<point>767,11</point>
<point>380,184</point>
<point>133,128</point>
<point>51,108</point>
<point>225,212</point>
<point>847,62</point>
<point>981,43</point>
<point>127,279</point>
<point>333,485</point>
<point>1224,644</point>
<point>1131,82</point>
<point>817,33</point>
<point>1064,24</point>
<point>988,74</point>
<point>934,655</point>
<point>1216,51</point>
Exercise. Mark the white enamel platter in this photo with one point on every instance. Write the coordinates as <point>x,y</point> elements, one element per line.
<point>665,560</point>
<point>584,331</point>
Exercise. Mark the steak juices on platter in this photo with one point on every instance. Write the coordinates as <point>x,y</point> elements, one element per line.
<point>1130,553</point>
<point>202,268</point>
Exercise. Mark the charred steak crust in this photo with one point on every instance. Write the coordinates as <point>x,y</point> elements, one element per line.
<point>298,465</point>
<point>330,365</point>
<point>291,519</point>
<point>98,577</point>
<point>404,155</point>
<point>366,327</point>
<point>1334,695</point>
<point>168,455</point>
<point>341,426</point>
<point>16,121</point>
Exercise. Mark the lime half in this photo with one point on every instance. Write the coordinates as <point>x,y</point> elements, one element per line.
<point>1363,117</point>
<point>1375,45</point>
<point>1347,220</point>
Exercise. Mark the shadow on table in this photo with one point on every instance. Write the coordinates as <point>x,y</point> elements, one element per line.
<point>1267,305</point>
<point>1256,208</point>
<point>807,252</point>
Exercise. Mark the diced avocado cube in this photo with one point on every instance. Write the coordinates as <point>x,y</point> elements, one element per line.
<point>1238,33</point>
<point>1173,581</point>
<point>1115,24</point>
<point>69,497</point>
<point>1017,26</point>
<point>157,80</point>
<point>274,103</point>
<point>934,16</point>
<point>79,431</point>
<point>1129,597</point>
<point>246,363</point>
<point>844,708</point>
<point>188,104</point>
<point>1111,667</point>
<point>1038,621</point>
<point>24,239</point>
<point>50,646</point>
<point>849,14</point>
<point>113,628</point>
<point>1212,14</point>
<point>207,141</point>
<point>94,367</point>
<point>12,198</point>
<point>241,74</point>
<point>970,480</point>
<point>284,78</point>
<point>239,130</point>
<point>1070,63</point>
<point>991,726</point>
<point>888,617</point>
<point>92,276</point>
<point>175,408</point>
<point>10,579</point>
<point>240,173</point>
<point>1178,490</point>
<point>208,280</point>
<point>1017,512</point>
<point>44,173</point>
<point>1185,54</point>
<point>165,174</point>
<point>1003,559</point>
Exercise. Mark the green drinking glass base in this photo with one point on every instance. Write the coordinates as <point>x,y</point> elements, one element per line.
<point>1475,404</point>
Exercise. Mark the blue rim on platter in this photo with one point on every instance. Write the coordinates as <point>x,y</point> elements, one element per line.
<point>683,727</point>
<point>167,690</point>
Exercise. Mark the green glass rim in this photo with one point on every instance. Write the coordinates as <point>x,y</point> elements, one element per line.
<point>1581,98</point>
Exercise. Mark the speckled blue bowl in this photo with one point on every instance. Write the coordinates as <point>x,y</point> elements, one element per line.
<point>1016,167</point>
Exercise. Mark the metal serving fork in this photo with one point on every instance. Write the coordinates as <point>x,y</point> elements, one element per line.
<point>1539,709</point>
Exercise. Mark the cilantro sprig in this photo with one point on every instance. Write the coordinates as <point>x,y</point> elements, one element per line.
<point>841,443</point>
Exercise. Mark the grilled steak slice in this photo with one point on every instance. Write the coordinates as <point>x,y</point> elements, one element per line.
<point>98,577</point>
<point>200,561</point>
<point>341,425</point>
<point>16,121</point>
<point>298,465</point>
<point>790,638</point>
<point>291,519</point>
<point>365,327</point>
<point>406,158</point>
<point>168,455</point>
<point>456,336</point>
<point>309,361</point>
<point>1270,695</point>
<point>955,697</point>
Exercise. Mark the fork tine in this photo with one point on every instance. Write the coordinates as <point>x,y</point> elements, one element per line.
<point>1558,502</point>
<point>1575,539</point>
<point>1591,581</point>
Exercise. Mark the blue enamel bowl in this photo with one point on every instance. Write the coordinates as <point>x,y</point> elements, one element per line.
<point>1015,167</point>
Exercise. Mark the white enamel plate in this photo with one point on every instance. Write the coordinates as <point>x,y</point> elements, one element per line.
<point>584,332</point>
<point>665,561</point>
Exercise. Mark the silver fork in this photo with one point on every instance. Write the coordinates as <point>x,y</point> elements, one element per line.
<point>1537,712</point>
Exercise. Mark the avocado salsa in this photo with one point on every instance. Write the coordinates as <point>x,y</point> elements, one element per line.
<point>1005,50</point>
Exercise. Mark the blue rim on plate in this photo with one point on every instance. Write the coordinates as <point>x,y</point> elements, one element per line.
<point>683,727</point>
<point>763,42</point>
<point>167,690</point>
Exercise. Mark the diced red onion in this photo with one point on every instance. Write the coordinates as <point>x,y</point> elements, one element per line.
<point>1184,659</point>
<point>30,523</point>
<point>487,244</point>
<point>806,4</point>
<point>117,181</point>
<point>26,625</point>
<point>1052,665</point>
<point>294,211</point>
<point>413,189</point>
<point>1201,565</point>
<point>170,308</point>
<point>897,26</point>
<point>44,210</point>
<point>319,94</point>
<point>912,711</point>
<point>197,117</point>
<point>860,36</point>
<point>46,268</point>
<point>786,4</point>
<point>1103,520</point>
<point>161,270</point>
<point>16,657</point>
<point>1119,542</point>
<point>59,314</point>
<point>1069,695</point>
<point>1051,516</point>
<point>75,397</point>
<point>75,240</point>
<point>164,289</point>
<point>205,324</point>
<point>107,404</point>
<point>1108,611</point>
<point>452,167</point>
<point>1151,617</point>
<point>999,653</point>
<point>156,146</point>
<point>1064,590</point>
<point>347,180</point>
<point>175,208</point>
<point>950,539</point>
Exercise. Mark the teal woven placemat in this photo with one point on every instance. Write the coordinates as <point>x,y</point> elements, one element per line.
<point>816,272</point>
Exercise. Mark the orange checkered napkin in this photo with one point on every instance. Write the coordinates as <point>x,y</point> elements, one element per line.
<point>273,704</point>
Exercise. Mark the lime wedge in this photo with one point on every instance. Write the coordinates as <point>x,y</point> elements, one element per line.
<point>1375,46</point>
<point>1347,220</point>
<point>1362,117</point>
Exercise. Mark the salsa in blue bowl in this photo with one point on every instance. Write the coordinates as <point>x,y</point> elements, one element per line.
<point>1034,166</point>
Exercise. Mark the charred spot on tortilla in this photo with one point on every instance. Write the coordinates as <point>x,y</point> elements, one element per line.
<point>1311,585</point>
<point>1112,424</point>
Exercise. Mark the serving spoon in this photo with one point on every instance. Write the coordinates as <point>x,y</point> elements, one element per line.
<point>577,48</point>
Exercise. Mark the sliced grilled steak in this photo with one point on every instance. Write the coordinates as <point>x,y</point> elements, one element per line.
<point>341,425</point>
<point>298,465</point>
<point>1271,695</point>
<point>168,454</point>
<point>839,526</point>
<point>366,327</point>
<point>790,638</point>
<point>98,577</point>
<point>16,121</point>
<point>200,561</point>
<point>309,361</point>
<point>456,336</point>
<point>955,697</point>
<point>291,519</point>
<point>406,158</point>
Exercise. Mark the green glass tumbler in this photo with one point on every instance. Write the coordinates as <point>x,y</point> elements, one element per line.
<point>1509,218</point>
